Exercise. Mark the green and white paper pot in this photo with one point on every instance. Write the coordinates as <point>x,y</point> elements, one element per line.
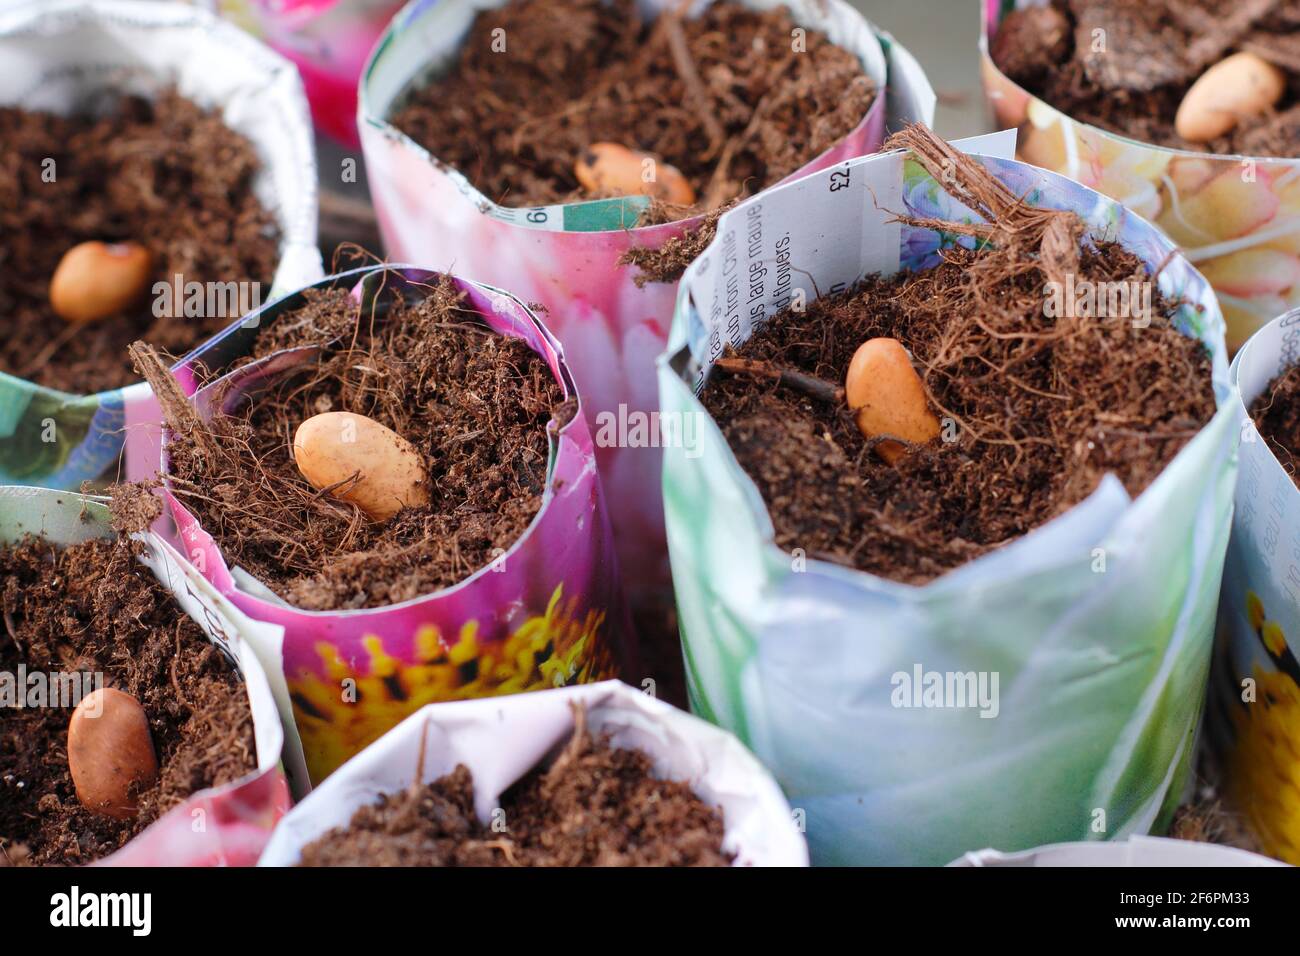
<point>1096,626</point>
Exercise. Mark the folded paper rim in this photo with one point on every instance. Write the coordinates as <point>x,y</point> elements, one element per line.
<point>1136,850</point>
<point>628,208</point>
<point>1290,317</point>
<point>362,274</point>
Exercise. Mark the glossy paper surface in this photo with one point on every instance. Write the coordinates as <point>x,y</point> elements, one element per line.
<point>1101,666</point>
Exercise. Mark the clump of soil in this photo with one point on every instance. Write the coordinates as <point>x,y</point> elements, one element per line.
<point>669,262</point>
<point>475,404</point>
<point>1038,409</point>
<point>594,806</point>
<point>1276,413</point>
<point>1131,77</point>
<point>724,97</point>
<point>166,174</point>
<point>93,608</point>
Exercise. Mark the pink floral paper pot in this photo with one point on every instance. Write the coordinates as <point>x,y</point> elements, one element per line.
<point>1237,218</point>
<point>327,40</point>
<point>566,257</point>
<point>548,612</point>
<point>217,826</point>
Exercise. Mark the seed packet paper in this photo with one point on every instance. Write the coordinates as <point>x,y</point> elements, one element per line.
<point>1255,699</point>
<point>1135,851</point>
<point>237,635</point>
<point>1097,624</point>
<point>61,55</point>
<point>567,257</point>
<point>501,740</point>
<point>218,826</point>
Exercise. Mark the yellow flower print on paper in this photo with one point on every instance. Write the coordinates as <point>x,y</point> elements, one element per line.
<point>338,714</point>
<point>1264,769</point>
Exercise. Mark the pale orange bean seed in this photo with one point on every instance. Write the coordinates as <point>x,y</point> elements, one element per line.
<point>610,169</point>
<point>335,446</point>
<point>1242,85</point>
<point>886,393</point>
<point>110,752</point>
<point>94,280</point>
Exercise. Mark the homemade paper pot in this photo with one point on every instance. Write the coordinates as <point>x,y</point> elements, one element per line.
<point>1254,716</point>
<point>548,612</point>
<point>63,55</point>
<point>501,740</point>
<point>1236,218</point>
<point>566,257</point>
<point>219,826</point>
<point>1101,675</point>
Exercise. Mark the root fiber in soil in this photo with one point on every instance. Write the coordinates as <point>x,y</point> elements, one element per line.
<point>1206,817</point>
<point>1038,408</point>
<point>1152,52</point>
<point>93,608</point>
<point>724,97</point>
<point>476,405</point>
<point>594,806</point>
<point>1276,413</point>
<point>166,174</point>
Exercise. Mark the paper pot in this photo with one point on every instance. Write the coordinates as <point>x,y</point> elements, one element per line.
<point>501,740</point>
<point>57,56</point>
<point>548,612</point>
<point>1135,851</point>
<point>1101,674</point>
<point>566,257</point>
<point>328,41</point>
<point>219,826</point>
<point>1255,697</point>
<point>1236,218</point>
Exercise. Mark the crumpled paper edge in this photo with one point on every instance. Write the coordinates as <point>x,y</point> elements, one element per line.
<point>501,739</point>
